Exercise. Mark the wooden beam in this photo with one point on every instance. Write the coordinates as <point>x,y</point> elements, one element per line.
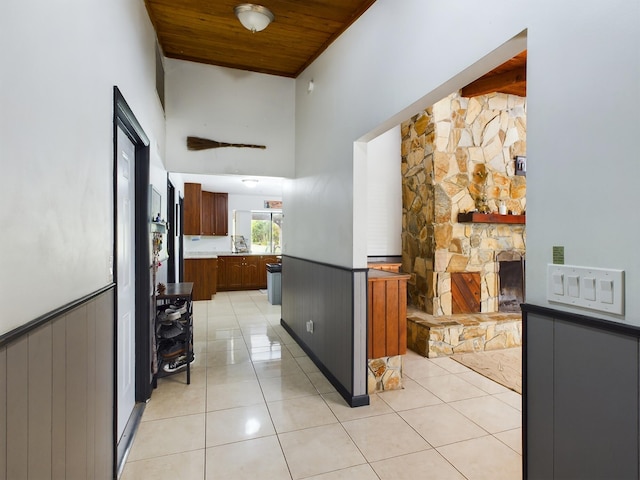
<point>507,82</point>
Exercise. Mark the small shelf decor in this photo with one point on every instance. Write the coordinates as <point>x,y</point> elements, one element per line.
<point>477,217</point>
<point>158,227</point>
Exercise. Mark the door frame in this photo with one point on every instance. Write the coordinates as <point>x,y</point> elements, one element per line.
<point>180,232</point>
<point>124,119</point>
<point>171,231</point>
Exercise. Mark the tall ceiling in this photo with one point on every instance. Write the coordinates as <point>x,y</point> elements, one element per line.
<point>207,31</point>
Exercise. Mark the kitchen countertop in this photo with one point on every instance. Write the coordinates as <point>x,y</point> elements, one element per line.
<point>192,255</point>
<point>195,255</point>
<point>375,275</point>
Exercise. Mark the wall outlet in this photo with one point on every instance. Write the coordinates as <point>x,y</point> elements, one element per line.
<point>310,326</point>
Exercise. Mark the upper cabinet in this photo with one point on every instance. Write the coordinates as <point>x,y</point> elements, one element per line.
<point>192,209</point>
<point>221,214</point>
<point>205,213</point>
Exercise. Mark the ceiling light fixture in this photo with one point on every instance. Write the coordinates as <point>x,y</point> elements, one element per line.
<point>250,182</point>
<point>254,17</point>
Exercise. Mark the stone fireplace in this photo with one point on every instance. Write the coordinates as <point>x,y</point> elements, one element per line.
<point>458,157</point>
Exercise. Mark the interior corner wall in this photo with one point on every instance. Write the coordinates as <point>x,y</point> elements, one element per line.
<point>56,144</point>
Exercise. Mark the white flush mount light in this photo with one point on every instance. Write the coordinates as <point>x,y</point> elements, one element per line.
<point>250,182</point>
<point>254,17</point>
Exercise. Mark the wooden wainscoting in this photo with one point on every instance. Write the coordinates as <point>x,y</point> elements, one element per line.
<point>387,314</point>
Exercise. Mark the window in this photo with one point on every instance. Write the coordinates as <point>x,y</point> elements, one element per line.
<point>266,232</point>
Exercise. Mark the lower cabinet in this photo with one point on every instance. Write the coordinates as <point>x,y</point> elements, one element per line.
<point>243,272</point>
<point>203,273</point>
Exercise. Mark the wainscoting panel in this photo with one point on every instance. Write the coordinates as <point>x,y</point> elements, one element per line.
<point>40,386</point>
<point>76,395</point>
<point>581,384</point>
<point>17,409</point>
<point>56,395</point>
<point>59,392</point>
<point>325,295</point>
<point>104,389</point>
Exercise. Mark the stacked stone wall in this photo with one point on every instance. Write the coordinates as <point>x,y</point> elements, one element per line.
<point>458,156</point>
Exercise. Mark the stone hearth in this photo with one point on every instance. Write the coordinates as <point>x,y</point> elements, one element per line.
<point>445,335</point>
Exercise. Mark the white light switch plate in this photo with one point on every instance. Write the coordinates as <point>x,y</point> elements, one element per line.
<point>599,289</point>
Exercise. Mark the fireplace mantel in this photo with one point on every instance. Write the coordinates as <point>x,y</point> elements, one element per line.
<point>476,217</point>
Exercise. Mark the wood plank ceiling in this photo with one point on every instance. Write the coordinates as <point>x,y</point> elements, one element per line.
<point>207,31</point>
<point>510,77</point>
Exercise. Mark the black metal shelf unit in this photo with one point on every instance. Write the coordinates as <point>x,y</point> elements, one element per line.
<point>174,331</point>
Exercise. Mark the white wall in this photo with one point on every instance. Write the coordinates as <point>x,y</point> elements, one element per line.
<point>583,97</point>
<point>384,194</point>
<point>56,129</point>
<point>59,67</point>
<point>231,106</point>
<point>378,73</point>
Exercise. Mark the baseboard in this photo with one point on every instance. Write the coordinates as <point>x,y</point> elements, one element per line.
<point>352,400</point>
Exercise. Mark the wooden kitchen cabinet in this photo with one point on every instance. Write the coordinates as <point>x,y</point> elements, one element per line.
<point>203,273</point>
<point>192,209</point>
<point>234,272</point>
<point>222,274</point>
<point>262,268</point>
<point>220,214</point>
<point>243,272</point>
<point>205,213</point>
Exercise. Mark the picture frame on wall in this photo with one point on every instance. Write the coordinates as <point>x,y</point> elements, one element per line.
<point>277,204</point>
<point>155,204</point>
<point>521,165</point>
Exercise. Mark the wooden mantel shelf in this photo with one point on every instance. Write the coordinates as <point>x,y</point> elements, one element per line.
<point>475,217</point>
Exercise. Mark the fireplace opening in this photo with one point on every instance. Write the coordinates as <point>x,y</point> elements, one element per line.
<point>511,282</point>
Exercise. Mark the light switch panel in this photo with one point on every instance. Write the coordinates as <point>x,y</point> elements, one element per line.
<point>599,289</point>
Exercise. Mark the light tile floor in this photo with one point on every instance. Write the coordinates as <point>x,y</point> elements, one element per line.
<point>258,408</point>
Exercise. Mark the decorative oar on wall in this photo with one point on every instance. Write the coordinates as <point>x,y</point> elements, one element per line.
<point>195,143</point>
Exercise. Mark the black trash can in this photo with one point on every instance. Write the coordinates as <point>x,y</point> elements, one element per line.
<point>274,283</point>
